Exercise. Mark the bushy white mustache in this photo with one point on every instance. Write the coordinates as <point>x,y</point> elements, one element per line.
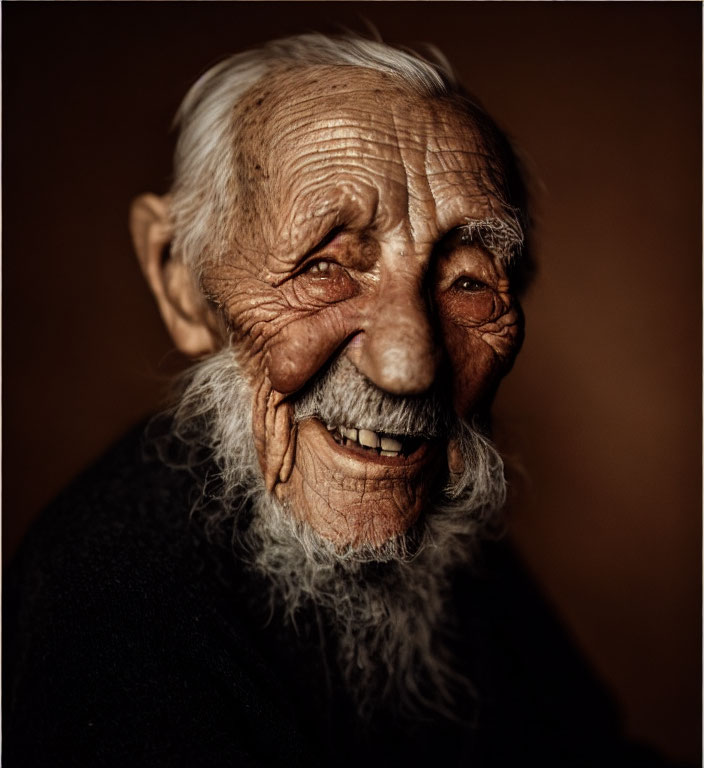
<point>343,396</point>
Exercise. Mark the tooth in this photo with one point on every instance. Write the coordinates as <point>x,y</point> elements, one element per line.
<point>331,428</point>
<point>349,432</point>
<point>368,438</point>
<point>388,453</point>
<point>389,444</point>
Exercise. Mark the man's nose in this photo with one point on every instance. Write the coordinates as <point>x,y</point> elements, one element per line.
<point>398,351</point>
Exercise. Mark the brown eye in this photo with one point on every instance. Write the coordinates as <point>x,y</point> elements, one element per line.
<point>469,285</point>
<point>468,301</point>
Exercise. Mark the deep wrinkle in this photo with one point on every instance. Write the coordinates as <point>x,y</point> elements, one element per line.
<point>367,178</point>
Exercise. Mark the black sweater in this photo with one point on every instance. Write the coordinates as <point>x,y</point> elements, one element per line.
<point>130,639</point>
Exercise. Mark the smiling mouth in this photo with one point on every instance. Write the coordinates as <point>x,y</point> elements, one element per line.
<point>368,443</point>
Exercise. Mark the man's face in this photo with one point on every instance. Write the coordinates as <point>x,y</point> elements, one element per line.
<point>346,240</point>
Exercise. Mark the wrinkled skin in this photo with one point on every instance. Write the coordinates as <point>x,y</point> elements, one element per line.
<point>347,167</point>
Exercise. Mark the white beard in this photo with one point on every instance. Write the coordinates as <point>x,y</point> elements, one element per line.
<point>386,606</point>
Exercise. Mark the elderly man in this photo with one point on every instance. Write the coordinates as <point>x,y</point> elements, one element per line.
<point>293,565</point>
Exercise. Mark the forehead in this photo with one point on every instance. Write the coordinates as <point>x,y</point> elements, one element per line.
<point>319,147</point>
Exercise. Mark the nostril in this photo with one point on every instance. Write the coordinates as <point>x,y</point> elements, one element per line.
<point>356,341</point>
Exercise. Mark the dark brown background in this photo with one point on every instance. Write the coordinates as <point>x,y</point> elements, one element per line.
<point>603,407</point>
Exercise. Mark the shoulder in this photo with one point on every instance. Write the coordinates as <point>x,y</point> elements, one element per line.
<point>123,522</point>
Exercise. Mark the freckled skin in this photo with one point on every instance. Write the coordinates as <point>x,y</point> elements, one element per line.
<point>348,166</point>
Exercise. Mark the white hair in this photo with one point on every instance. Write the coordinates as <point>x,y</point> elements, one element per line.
<point>204,161</point>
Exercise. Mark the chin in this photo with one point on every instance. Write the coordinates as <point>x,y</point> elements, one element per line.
<point>357,488</point>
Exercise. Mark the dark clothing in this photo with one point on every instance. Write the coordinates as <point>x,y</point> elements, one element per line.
<point>132,640</point>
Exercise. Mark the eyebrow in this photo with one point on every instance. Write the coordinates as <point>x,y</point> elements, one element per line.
<point>503,236</point>
<point>331,230</point>
<point>337,210</point>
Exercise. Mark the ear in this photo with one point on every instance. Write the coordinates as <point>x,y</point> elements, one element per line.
<point>192,323</point>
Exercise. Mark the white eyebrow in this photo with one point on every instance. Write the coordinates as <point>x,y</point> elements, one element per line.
<point>503,236</point>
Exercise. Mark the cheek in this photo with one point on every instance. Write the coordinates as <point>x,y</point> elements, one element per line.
<point>302,346</point>
<point>474,367</point>
<point>470,308</point>
<point>478,359</point>
<point>289,334</point>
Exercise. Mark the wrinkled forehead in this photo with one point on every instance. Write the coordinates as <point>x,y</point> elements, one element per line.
<point>318,139</point>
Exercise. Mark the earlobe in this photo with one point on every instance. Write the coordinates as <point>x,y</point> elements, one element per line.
<point>190,321</point>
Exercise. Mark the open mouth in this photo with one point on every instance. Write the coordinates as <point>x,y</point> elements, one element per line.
<point>370,443</point>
